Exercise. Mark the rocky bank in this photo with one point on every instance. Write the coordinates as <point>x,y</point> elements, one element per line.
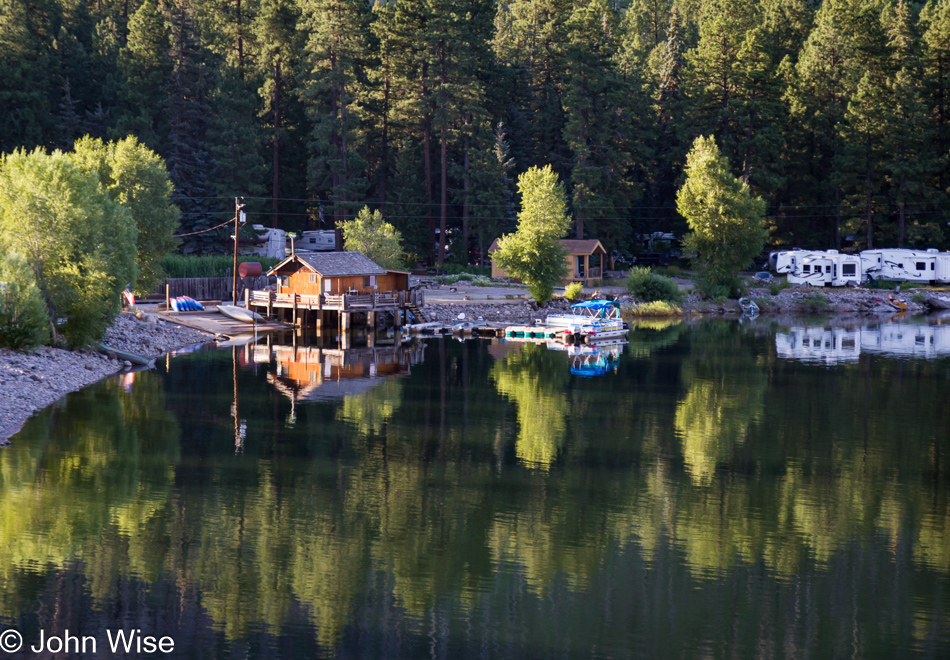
<point>32,380</point>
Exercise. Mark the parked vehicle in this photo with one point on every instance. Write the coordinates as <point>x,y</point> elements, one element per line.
<point>829,268</point>
<point>902,265</point>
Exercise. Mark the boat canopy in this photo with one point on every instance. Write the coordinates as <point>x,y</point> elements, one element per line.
<point>596,304</point>
<point>604,309</point>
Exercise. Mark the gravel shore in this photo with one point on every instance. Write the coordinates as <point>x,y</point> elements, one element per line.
<point>32,380</point>
<point>795,301</point>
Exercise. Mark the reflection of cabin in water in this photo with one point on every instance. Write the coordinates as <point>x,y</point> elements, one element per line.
<point>321,284</point>
<point>585,260</point>
<point>320,374</point>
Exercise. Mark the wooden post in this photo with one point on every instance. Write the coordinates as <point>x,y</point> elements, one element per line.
<point>295,308</point>
<point>344,322</point>
<point>247,298</point>
<point>270,304</point>
<point>168,293</point>
<point>397,317</point>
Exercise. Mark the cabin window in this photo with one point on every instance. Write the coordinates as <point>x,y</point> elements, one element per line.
<point>827,269</point>
<point>806,268</point>
<point>848,269</point>
<point>285,280</point>
<point>366,283</point>
<point>326,286</point>
<point>921,265</point>
<point>313,278</point>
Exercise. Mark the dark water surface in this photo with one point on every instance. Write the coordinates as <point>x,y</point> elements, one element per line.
<point>721,491</point>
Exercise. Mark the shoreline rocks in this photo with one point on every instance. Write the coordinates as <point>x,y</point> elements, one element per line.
<point>32,380</point>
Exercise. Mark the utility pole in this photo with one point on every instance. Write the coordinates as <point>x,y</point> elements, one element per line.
<point>238,214</point>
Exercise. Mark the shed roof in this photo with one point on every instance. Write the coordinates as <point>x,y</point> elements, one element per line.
<point>572,245</point>
<point>334,264</point>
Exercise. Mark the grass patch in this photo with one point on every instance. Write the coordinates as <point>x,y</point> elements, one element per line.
<point>650,287</point>
<point>656,308</point>
<point>219,265</point>
<point>669,271</point>
<point>815,301</point>
<point>778,285</point>
<point>919,297</point>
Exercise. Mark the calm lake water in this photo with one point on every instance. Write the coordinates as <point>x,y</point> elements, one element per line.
<point>721,490</point>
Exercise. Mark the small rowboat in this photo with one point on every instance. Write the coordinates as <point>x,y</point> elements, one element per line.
<point>240,314</point>
<point>896,302</point>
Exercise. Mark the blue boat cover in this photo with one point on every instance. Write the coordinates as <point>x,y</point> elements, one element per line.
<point>596,304</point>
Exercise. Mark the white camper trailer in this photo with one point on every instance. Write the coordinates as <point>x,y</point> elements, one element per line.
<point>829,268</point>
<point>902,265</point>
<point>786,261</point>
<point>316,241</point>
<point>271,243</point>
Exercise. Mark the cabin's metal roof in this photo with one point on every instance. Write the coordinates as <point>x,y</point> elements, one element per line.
<point>335,264</point>
<point>571,245</point>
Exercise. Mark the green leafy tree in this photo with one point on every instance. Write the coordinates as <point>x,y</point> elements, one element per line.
<point>79,243</point>
<point>533,254</point>
<point>23,319</point>
<point>135,177</point>
<point>727,226</point>
<point>377,239</point>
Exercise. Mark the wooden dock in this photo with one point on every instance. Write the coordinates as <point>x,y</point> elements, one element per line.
<point>216,323</point>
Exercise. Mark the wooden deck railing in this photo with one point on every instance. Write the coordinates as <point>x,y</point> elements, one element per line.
<point>343,302</point>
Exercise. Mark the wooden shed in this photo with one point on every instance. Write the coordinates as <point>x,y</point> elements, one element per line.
<point>334,273</point>
<point>585,258</point>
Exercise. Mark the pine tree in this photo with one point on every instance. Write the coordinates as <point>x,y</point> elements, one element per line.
<point>187,114</point>
<point>336,52</point>
<point>147,68</point>
<point>275,29</point>
<point>597,128</point>
<point>820,88</point>
<point>935,61</point>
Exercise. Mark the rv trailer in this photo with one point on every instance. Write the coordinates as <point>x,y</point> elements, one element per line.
<point>829,268</point>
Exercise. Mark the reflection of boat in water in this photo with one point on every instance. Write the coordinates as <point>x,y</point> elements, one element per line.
<point>591,320</point>
<point>597,359</point>
<point>321,374</point>
<point>833,345</point>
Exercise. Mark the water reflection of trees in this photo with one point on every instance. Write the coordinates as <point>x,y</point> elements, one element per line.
<point>409,503</point>
<point>534,378</point>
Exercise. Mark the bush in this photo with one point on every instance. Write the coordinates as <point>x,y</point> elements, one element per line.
<point>574,291</point>
<point>24,322</point>
<point>650,287</point>
<point>456,269</point>
<point>720,288</point>
<point>656,308</point>
<point>919,297</point>
<point>778,285</point>
<point>179,265</point>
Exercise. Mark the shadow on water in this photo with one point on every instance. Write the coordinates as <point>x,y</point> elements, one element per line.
<point>715,489</point>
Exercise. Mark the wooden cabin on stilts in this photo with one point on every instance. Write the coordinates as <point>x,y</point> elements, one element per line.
<point>339,290</point>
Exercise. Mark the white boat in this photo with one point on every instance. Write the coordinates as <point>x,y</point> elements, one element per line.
<point>593,320</point>
<point>749,307</point>
<point>240,314</point>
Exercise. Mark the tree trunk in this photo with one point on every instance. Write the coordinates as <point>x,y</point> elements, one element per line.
<point>427,159</point>
<point>443,140</point>
<point>465,258</point>
<point>276,160</point>
<point>240,41</point>
<point>867,189</point>
<point>384,159</point>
